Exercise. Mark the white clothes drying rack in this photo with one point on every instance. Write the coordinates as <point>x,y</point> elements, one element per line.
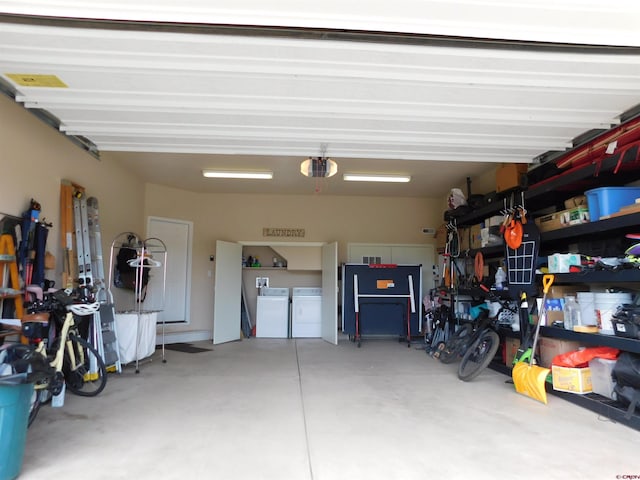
<point>147,253</point>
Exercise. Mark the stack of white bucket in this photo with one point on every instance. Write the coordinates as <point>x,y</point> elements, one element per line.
<point>597,308</point>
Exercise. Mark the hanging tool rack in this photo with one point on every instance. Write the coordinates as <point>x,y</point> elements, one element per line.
<point>143,256</point>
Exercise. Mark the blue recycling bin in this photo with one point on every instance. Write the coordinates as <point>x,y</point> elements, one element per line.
<point>14,417</point>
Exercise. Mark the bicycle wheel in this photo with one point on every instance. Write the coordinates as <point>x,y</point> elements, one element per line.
<point>455,346</point>
<point>479,355</point>
<point>84,380</point>
<point>34,408</point>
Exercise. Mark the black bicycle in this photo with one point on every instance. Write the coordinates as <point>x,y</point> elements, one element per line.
<point>482,347</point>
<point>475,343</point>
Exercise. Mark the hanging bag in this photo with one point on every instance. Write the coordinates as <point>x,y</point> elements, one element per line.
<point>125,274</point>
<point>626,373</point>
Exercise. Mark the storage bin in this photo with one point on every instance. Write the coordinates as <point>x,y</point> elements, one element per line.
<point>14,417</point>
<point>606,306</point>
<point>607,200</point>
<point>601,380</point>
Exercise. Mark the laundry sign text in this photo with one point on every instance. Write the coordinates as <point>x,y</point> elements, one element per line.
<point>283,232</point>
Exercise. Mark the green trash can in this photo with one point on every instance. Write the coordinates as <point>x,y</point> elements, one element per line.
<point>14,417</point>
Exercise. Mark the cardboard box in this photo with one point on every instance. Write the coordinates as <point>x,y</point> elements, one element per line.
<point>490,236</point>
<point>555,301</point>
<point>441,237</point>
<point>561,291</point>
<point>576,201</point>
<point>475,234</point>
<point>511,346</point>
<point>572,380</point>
<point>575,216</point>
<point>555,311</point>
<point>549,222</point>
<point>511,175</point>
<point>465,240</point>
<point>563,218</point>
<point>550,347</point>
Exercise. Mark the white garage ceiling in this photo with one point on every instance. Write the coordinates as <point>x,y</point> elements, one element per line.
<point>170,100</point>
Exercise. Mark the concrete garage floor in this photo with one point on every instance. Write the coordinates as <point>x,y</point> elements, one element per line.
<point>307,410</point>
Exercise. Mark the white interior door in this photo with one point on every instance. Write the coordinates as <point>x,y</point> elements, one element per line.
<point>330,293</point>
<point>173,303</point>
<point>226,295</point>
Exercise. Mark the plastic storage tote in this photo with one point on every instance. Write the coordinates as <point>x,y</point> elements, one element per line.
<point>14,416</point>
<point>601,379</point>
<point>607,200</point>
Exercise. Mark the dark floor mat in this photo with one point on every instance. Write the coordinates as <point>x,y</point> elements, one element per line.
<point>185,348</point>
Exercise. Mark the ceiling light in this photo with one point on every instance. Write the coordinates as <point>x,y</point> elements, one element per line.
<point>361,177</point>
<point>236,174</point>
<point>318,167</point>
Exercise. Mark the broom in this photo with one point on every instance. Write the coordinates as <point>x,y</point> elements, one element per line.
<point>530,379</point>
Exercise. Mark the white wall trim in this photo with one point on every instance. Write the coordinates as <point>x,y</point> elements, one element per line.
<point>183,337</point>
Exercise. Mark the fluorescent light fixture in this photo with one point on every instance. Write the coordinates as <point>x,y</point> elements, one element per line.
<point>363,177</point>
<point>236,174</point>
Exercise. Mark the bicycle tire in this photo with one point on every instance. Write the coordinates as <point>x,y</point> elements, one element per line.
<point>76,381</point>
<point>478,356</point>
<point>455,346</point>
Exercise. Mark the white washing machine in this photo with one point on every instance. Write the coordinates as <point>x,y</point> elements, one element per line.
<point>272,313</point>
<point>306,312</point>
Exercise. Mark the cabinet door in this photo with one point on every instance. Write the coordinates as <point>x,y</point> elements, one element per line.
<point>226,297</point>
<point>329,309</point>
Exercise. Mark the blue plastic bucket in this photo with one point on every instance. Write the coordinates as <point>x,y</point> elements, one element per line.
<point>14,417</point>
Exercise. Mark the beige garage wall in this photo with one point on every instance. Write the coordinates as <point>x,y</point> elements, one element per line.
<point>232,217</point>
<point>35,158</point>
